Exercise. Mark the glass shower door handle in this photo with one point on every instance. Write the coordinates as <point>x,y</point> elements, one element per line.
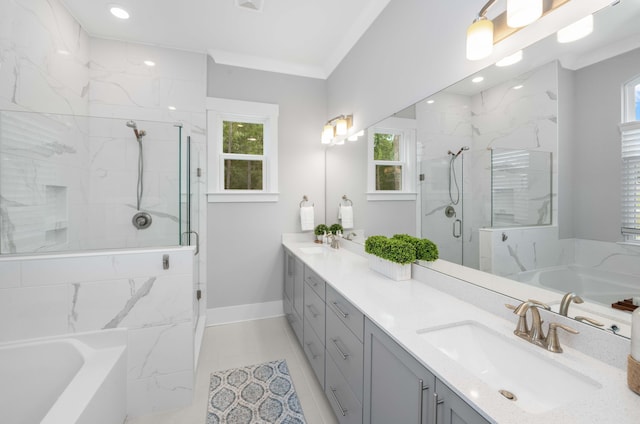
<point>457,228</point>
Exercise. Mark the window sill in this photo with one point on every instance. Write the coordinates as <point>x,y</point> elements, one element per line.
<point>242,197</point>
<point>386,196</point>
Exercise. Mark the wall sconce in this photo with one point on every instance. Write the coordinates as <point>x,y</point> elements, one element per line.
<point>483,33</point>
<point>336,127</point>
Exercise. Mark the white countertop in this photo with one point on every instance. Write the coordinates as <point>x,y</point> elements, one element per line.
<point>402,307</point>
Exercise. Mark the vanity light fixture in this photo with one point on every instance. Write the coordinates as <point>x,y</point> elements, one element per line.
<point>149,63</point>
<point>483,33</point>
<point>576,30</point>
<point>355,136</point>
<point>521,13</point>
<point>510,60</point>
<point>477,79</point>
<point>336,127</point>
<point>119,12</point>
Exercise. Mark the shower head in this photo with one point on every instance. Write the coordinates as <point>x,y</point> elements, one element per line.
<point>139,134</point>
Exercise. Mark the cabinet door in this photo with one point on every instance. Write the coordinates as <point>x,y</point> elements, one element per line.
<point>398,389</point>
<point>452,409</point>
<point>289,266</point>
<point>298,286</point>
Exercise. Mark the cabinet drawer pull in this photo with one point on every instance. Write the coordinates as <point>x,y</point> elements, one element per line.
<point>335,398</point>
<point>344,314</point>
<point>314,314</point>
<point>312,281</point>
<point>313,355</point>
<point>340,351</point>
<point>434,409</point>
<point>421,388</point>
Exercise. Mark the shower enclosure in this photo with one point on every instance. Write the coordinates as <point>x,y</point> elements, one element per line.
<point>443,201</point>
<point>75,183</point>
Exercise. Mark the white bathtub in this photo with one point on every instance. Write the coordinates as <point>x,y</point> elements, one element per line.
<point>64,380</point>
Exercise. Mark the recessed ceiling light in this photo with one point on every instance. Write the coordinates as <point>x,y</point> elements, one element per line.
<point>64,52</point>
<point>430,102</point>
<point>477,79</point>
<point>172,108</point>
<point>518,87</point>
<point>149,63</point>
<point>119,12</point>
<point>510,60</point>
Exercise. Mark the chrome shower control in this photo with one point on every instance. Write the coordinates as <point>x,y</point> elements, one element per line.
<point>141,220</point>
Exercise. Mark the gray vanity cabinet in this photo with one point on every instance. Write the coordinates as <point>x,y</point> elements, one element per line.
<point>293,298</point>
<point>314,322</point>
<point>453,410</point>
<point>400,389</point>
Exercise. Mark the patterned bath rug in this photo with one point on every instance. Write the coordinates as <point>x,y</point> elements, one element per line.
<point>262,393</point>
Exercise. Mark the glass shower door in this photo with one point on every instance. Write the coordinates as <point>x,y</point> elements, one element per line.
<point>442,205</point>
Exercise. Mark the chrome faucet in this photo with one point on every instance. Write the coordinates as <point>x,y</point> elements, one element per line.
<point>534,334</point>
<point>566,301</point>
<point>351,236</point>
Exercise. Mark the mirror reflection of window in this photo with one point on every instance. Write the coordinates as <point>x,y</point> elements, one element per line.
<point>386,156</point>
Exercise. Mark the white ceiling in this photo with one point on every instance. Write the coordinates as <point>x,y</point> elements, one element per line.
<point>300,37</point>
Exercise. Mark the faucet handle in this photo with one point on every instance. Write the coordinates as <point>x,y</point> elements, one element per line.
<point>589,321</point>
<point>522,329</point>
<point>551,342</point>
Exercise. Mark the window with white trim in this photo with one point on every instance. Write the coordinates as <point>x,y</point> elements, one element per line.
<point>630,154</point>
<point>391,153</point>
<point>243,151</point>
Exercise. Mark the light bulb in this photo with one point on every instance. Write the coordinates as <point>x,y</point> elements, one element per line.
<point>327,134</point>
<point>341,126</point>
<point>479,39</point>
<point>523,12</point>
<point>576,30</point>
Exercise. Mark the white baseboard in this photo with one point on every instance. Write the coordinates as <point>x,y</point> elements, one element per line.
<point>239,313</point>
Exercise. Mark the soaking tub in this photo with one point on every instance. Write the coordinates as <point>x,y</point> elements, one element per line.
<point>64,380</point>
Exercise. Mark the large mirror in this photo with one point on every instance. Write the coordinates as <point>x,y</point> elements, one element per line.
<point>560,109</point>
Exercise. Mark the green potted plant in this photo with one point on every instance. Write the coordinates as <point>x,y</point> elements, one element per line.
<point>391,257</point>
<point>426,250</point>
<point>335,228</point>
<point>320,230</point>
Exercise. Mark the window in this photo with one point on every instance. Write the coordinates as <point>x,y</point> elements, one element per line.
<point>391,170</point>
<point>243,151</point>
<point>630,152</point>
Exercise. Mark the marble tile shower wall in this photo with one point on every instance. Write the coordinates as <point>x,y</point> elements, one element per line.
<point>50,295</point>
<point>498,117</point>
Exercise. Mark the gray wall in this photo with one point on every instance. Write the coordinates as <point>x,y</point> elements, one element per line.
<point>245,261</point>
<point>596,152</point>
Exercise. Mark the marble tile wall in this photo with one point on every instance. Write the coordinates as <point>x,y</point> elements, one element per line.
<point>498,117</point>
<point>53,294</point>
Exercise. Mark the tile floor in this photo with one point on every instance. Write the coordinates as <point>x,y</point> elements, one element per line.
<point>246,343</point>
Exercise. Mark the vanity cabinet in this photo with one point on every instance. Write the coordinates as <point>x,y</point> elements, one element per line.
<point>344,358</point>
<point>293,298</point>
<point>400,389</point>
<point>314,322</point>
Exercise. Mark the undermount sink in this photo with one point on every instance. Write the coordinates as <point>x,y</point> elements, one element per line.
<point>538,384</point>
<point>315,250</point>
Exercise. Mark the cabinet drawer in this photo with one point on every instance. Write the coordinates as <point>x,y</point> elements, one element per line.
<point>347,313</point>
<point>293,318</point>
<point>289,268</point>
<point>314,311</point>
<point>347,352</point>
<point>344,403</point>
<point>314,350</point>
<point>314,281</point>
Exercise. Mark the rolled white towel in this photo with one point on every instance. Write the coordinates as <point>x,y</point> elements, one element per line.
<point>346,216</point>
<point>306,218</point>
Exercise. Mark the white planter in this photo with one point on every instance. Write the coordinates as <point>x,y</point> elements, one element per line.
<point>390,269</point>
